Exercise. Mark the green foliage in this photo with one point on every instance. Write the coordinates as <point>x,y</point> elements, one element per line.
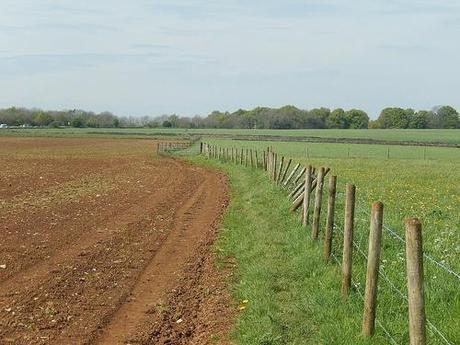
<point>78,122</point>
<point>420,119</point>
<point>167,124</point>
<point>286,117</point>
<point>42,119</point>
<point>446,117</point>
<point>357,119</point>
<point>337,119</point>
<point>34,117</point>
<point>54,124</point>
<point>394,118</point>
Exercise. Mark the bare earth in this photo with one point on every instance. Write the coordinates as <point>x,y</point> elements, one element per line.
<point>103,242</point>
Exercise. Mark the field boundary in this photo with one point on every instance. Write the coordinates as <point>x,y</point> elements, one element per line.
<point>310,139</point>
<point>195,136</point>
<point>305,188</point>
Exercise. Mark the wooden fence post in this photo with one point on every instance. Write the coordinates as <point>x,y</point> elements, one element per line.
<point>291,175</point>
<point>415,293</point>
<point>348,238</point>
<point>332,188</point>
<point>286,170</point>
<point>318,201</point>
<point>280,172</point>
<point>306,196</point>
<point>372,275</point>
<point>264,158</point>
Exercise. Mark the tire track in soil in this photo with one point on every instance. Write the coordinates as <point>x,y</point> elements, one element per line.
<point>117,304</point>
<point>191,222</point>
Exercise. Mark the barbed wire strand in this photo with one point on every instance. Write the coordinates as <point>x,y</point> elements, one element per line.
<point>395,235</point>
<point>398,237</point>
<point>385,331</point>
<point>393,287</point>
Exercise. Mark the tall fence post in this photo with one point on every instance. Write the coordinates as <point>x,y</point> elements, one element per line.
<point>318,202</point>
<point>414,267</point>
<point>372,275</point>
<point>348,238</point>
<point>306,196</point>
<point>332,189</point>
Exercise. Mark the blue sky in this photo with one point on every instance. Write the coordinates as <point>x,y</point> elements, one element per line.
<point>190,57</point>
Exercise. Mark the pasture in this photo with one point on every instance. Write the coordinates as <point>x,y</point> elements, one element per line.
<point>411,182</point>
<point>439,136</point>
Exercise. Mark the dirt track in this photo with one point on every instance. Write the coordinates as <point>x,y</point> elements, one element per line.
<point>104,243</point>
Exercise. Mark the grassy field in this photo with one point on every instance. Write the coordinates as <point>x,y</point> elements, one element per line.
<point>447,136</point>
<point>409,185</point>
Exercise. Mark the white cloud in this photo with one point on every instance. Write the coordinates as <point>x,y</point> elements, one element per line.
<point>192,56</point>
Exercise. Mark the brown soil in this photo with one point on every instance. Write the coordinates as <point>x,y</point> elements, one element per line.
<point>106,243</point>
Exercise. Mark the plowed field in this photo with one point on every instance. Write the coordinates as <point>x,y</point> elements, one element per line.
<point>104,242</point>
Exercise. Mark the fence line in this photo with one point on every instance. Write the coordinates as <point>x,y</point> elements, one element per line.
<point>430,258</point>
<point>393,233</point>
<point>300,193</point>
<point>395,289</point>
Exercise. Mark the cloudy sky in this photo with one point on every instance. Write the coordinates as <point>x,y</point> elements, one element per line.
<point>149,57</point>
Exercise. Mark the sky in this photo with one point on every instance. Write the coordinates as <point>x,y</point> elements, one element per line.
<point>150,57</point>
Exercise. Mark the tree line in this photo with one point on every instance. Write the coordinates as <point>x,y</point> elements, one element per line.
<point>287,117</point>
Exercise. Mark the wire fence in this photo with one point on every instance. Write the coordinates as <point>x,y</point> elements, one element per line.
<point>301,186</point>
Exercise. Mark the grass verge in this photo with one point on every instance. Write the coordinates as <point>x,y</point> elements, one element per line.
<point>289,294</point>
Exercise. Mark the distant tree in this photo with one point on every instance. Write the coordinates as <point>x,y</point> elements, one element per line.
<point>78,122</point>
<point>54,124</point>
<point>374,124</point>
<point>174,119</point>
<point>42,119</point>
<point>167,124</point>
<point>116,122</point>
<point>337,119</point>
<point>357,119</point>
<point>394,118</point>
<point>446,117</point>
<point>420,119</point>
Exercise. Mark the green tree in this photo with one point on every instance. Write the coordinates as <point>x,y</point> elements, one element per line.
<point>78,122</point>
<point>357,119</point>
<point>446,117</point>
<point>419,119</point>
<point>42,119</point>
<point>337,119</point>
<point>394,118</point>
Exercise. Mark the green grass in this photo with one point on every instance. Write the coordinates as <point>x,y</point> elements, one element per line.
<point>295,296</point>
<point>448,136</point>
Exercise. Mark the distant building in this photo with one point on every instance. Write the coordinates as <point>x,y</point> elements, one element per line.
<point>3,125</point>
